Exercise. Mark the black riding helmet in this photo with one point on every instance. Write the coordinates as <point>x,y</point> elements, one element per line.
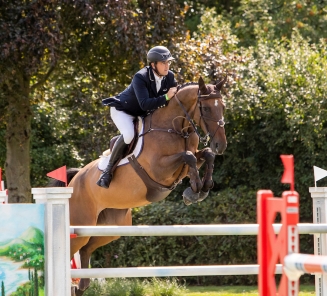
<point>159,54</point>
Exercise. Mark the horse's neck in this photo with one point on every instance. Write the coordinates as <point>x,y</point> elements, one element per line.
<point>174,110</point>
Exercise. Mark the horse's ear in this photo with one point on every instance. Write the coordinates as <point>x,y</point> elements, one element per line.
<point>220,84</point>
<point>202,86</point>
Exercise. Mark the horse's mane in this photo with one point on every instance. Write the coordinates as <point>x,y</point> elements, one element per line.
<point>186,84</point>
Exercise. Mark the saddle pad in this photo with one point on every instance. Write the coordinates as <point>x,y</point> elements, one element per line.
<point>104,158</point>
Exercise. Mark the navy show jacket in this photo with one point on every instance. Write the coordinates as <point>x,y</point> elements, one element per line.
<point>141,95</point>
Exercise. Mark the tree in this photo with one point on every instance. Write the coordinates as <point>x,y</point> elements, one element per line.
<point>197,8</point>
<point>276,19</point>
<point>45,40</point>
<point>3,289</point>
<point>36,282</point>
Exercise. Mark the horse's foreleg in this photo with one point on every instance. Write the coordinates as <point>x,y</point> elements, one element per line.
<point>172,163</point>
<point>192,194</point>
<point>208,157</point>
<point>195,181</point>
<point>163,167</point>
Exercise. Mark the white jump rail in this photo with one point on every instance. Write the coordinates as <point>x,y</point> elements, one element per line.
<point>187,230</point>
<point>165,271</point>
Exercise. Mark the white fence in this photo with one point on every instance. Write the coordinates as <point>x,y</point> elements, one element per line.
<point>58,272</point>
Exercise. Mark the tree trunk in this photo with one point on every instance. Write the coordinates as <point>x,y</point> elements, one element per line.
<point>18,135</point>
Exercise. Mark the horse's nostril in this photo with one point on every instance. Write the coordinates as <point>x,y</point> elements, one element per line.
<point>220,148</point>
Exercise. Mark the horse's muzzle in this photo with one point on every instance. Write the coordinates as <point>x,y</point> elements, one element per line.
<point>219,148</point>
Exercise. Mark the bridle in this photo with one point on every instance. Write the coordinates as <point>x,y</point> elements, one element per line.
<point>200,98</point>
<point>220,122</point>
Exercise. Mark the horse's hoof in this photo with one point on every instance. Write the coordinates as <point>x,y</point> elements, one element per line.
<point>203,195</point>
<point>187,202</point>
<point>189,196</point>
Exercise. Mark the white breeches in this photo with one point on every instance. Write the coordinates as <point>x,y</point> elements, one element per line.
<point>124,123</point>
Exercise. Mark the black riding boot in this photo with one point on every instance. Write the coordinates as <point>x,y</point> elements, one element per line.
<point>117,152</point>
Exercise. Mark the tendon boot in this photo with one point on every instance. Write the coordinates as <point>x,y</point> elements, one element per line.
<point>116,154</point>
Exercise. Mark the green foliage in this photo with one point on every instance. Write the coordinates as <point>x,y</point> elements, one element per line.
<point>168,287</point>
<point>258,20</point>
<point>211,52</point>
<point>34,287</point>
<point>195,9</point>
<point>116,287</point>
<point>135,287</point>
<point>278,108</point>
<point>29,247</point>
<point>51,146</point>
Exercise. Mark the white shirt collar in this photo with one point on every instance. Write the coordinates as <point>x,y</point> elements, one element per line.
<point>158,81</point>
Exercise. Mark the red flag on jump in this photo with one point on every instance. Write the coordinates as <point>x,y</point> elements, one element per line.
<point>288,176</point>
<point>59,174</point>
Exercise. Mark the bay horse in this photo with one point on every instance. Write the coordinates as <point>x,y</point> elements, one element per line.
<point>170,153</point>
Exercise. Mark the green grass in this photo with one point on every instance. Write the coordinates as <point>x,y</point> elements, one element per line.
<point>305,290</point>
<point>170,287</point>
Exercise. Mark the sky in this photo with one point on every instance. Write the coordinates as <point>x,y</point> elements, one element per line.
<point>16,218</point>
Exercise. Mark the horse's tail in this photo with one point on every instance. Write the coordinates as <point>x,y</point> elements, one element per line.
<point>70,175</point>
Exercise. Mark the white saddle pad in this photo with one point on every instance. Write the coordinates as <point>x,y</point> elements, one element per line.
<point>104,158</point>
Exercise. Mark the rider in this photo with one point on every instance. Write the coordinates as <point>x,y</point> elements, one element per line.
<point>152,87</point>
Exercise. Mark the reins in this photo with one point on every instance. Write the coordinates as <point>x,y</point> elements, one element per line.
<point>170,130</point>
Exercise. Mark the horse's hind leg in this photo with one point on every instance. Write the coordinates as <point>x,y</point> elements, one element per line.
<point>121,217</point>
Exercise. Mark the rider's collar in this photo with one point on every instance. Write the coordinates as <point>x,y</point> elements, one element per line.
<point>152,73</point>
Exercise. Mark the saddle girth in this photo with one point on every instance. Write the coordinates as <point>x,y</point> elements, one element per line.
<point>156,191</point>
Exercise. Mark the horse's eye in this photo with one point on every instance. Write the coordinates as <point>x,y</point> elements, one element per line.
<point>206,109</point>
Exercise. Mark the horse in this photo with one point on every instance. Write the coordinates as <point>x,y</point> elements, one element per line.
<point>170,153</point>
